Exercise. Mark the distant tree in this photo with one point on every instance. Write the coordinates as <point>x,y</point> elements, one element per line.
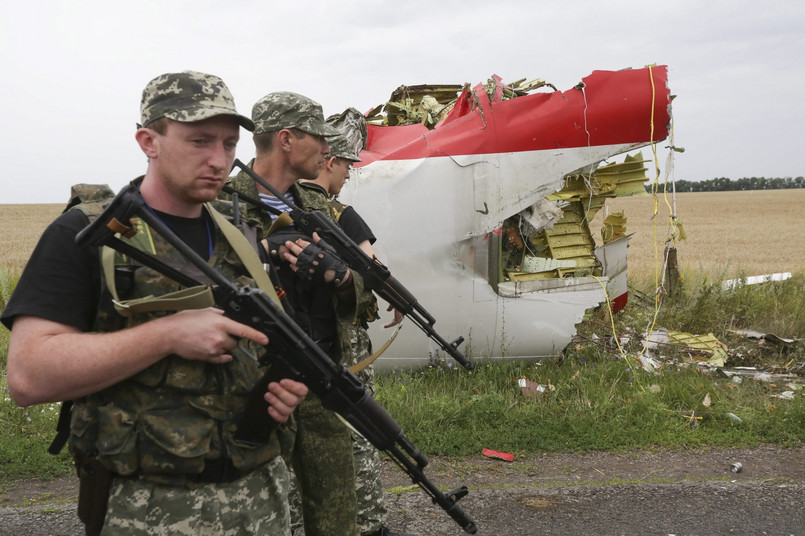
<point>723,184</point>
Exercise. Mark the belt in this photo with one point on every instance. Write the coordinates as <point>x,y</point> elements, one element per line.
<point>220,471</point>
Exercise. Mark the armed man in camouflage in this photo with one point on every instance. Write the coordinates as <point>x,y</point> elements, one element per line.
<point>289,139</point>
<point>156,396</point>
<point>334,174</point>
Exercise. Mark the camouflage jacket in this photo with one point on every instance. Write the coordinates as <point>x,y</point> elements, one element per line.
<point>177,416</point>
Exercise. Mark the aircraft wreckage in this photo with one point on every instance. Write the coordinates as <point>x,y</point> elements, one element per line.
<point>481,199</point>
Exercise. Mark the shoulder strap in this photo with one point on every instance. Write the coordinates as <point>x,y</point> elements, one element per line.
<point>248,256</point>
<point>357,367</point>
<point>62,428</point>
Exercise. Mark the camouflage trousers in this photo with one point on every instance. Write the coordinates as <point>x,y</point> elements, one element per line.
<point>371,512</point>
<point>322,493</point>
<point>368,487</point>
<point>255,504</point>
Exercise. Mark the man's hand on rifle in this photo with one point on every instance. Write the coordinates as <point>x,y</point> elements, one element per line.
<point>207,335</point>
<point>283,397</point>
<point>316,261</point>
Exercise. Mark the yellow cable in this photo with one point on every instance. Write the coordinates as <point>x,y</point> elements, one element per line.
<point>655,214</point>
<point>612,322</point>
<point>657,264</point>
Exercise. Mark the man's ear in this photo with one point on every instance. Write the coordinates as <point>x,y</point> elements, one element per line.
<point>329,163</point>
<point>146,138</point>
<point>284,139</point>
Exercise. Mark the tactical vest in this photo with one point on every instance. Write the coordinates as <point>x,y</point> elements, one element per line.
<point>310,197</point>
<point>176,418</point>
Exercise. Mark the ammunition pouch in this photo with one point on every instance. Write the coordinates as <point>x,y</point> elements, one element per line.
<point>93,491</point>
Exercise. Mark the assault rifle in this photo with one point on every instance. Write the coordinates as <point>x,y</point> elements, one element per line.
<point>375,275</point>
<point>292,352</point>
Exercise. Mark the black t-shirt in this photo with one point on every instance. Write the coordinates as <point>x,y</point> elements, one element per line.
<point>355,227</point>
<point>61,281</point>
<point>195,232</point>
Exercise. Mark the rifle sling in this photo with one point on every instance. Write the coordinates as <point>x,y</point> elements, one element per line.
<point>357,367</point>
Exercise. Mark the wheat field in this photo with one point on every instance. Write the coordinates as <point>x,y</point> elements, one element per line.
<point>23,226</point>
<point>728,233</point>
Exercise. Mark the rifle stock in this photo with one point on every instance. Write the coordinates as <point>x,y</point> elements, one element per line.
<point>375,274</point>
<point>290,348</point>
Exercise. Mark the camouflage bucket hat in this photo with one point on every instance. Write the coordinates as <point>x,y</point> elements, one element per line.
<point>284,109</point>
<point>339,147</point>
<point>188,96</point>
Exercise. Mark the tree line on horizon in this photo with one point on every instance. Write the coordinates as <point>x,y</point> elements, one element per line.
<point>723,184</point>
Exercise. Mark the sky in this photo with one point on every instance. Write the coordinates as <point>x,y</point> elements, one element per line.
<point>73,72</point>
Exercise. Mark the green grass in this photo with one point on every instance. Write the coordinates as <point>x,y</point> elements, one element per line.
<point>26,432</point>
<point>603,404</point>
<point>602,398</point>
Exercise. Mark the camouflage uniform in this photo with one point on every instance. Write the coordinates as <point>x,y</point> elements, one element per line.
<point>142,508</point>
<point>168,423</point>
<point>161,430</point>
<point>368,485</point>
<point>322,456</point>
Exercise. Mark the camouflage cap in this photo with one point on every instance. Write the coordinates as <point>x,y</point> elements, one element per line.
<point>284,109</point>
<point>339,147</point>
<point>187,97</point>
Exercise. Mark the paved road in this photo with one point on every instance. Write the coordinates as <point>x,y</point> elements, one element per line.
<point>690,493</point>
<point>690,509</point>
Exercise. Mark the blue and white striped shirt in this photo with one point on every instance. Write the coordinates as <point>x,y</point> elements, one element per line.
<point>276,203</point>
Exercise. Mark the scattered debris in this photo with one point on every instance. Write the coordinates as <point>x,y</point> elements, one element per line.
<point>762,377</point>
<point>754,280</point>
<point>657,339</point>
<point>785,395</point>
<point>649,363</point>
<point>736,467</point>
<point>702,345</point>
<point>505,456</point>
<point>531,389</point>
<point>755,374</point>
<point>751,334</point>
<point>701,348</point>
<point>734,417</point>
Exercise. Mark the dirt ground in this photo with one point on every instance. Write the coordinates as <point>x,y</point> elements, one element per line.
<point>662,492</point>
